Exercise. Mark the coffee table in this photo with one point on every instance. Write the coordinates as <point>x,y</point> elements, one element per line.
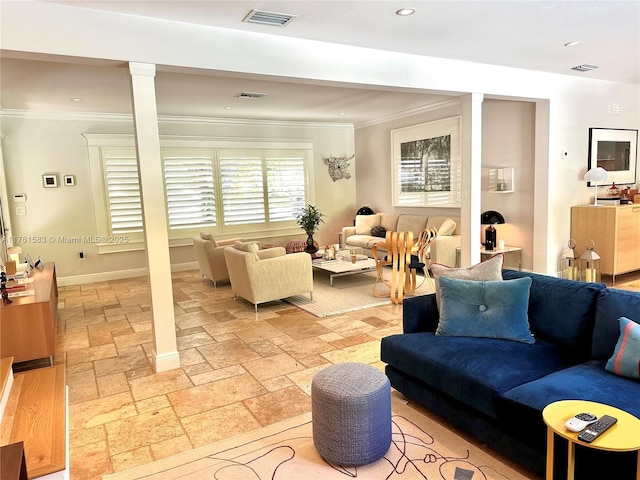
<point>343,266</point>
<point>624,436</point>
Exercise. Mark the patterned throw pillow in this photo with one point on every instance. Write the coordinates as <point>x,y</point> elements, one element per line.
<point>378,231</point>
<point>495,309</point>
<point>490,269</point>
<point>625,360</point>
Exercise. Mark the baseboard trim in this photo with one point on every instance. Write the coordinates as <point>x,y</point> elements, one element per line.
<point>118,274</point>
<point>165,361</point>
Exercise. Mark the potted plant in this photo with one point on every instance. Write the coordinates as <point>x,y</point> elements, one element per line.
<point>309,219</point>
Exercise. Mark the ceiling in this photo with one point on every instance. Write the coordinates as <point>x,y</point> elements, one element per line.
<point>523,34</point>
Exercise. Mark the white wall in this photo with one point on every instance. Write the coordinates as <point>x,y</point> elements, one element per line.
<point>574,103</point>
<point>56,145</point>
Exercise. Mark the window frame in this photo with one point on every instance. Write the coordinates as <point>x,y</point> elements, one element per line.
<point>109,243</point>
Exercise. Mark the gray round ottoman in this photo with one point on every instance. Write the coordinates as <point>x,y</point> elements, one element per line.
<point>351,413</point>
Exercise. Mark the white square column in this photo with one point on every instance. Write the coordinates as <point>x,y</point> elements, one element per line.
<point>154,213</point>
<point>471,207</point>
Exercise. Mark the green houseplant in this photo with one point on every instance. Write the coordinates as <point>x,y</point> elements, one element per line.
<point>309,219</point>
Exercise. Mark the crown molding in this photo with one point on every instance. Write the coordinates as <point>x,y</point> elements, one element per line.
<point>414,111</point>
<point>175,119</point>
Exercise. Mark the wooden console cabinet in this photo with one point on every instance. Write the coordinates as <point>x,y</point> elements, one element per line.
<point>28,324</point>
<point>615,229</point>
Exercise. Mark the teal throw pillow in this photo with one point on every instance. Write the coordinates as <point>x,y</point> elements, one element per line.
<point>625,360</point>
<point>491,309</point>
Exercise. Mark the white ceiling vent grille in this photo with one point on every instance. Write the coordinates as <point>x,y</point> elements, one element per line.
<point>585,67</point>
<point>250,95</point>
<point>268,18</point>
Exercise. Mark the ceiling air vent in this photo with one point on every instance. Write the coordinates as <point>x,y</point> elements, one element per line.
<point>585,67</point>
<point>268,18</point>
<point>251,95</point>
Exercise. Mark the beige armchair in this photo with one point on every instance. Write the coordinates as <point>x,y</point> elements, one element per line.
<point>210,256</point>
<point>265,275</point>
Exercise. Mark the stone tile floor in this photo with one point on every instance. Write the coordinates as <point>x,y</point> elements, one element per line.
<point>239,370</point>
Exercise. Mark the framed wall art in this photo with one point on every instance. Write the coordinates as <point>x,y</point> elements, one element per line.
<point>615,150</point>
<point>425,166</point>
<point>50,180</point>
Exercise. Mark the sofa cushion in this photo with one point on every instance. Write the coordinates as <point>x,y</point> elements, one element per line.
<point>488,270</point>
<point>447,228</point>
<point>586,381</point>
<point>362,241</point>
<point>389,221</point>
<point>364,223</point>
<point>611,305</point>
<point>625,360</point>
<point>472,370</point>
<point>494,309</point>
<point>249,247</point>
<point>208,236</point>
<point>437,221</point>
<point>411,223</point>
<point>562,311</point>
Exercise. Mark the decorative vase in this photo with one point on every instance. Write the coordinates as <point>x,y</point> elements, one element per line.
<point>310,248</point>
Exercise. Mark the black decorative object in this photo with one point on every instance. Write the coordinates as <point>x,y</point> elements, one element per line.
<point>364,211</point>
<point>3,289</point>
<point>491,218</point>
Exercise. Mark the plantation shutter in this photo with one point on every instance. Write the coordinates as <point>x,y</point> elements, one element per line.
<point>189,181</point>
<point>286,187</point>
<point>243,199</point>
<point>123,191</point>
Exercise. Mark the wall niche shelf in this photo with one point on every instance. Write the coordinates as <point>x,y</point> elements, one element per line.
<point>500,180</point>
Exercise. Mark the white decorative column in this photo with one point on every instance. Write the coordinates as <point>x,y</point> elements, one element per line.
<point>471,207</point>
<point>145,116</point>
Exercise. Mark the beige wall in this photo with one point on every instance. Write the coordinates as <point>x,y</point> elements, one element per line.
<point>33,147</point>
<point>507,140</point>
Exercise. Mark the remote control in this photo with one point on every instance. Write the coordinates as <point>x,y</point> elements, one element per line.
<point>596,429</point>
<point>580,422</point>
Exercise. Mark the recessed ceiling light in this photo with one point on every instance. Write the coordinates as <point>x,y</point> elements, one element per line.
<point>227,107</point>
<point>573,44</point>
<point>406,11</point>
<point>75,99</point>
<point>342,114</point>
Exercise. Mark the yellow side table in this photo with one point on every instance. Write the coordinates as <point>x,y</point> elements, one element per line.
<point>624,436</point>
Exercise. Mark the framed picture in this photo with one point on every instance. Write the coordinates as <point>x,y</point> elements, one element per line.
<point>50,180</point>
<point>425,166</point>
<point>69,180</point>
<point>615,150</point>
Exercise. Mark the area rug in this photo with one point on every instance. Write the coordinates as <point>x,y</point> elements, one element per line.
<point>421,448</point>
<point>348,294</point>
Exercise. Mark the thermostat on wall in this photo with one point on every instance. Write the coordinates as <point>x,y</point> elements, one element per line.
<point>19,198</point>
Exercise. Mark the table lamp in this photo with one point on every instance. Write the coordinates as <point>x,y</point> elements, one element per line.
<point>491,218</point>
<point>595,175</point>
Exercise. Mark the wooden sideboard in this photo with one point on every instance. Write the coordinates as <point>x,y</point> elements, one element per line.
<point>28,324</point>
<point>615,229</point>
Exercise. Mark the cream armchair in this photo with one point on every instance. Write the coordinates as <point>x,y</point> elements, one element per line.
<point>265,275</point>
<point>210,256</point>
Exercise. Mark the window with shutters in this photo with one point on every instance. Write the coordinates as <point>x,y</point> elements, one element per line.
<point>223,190</point>
<point>122,191</point>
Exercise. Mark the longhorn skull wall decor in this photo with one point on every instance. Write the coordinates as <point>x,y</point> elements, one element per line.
<point>339,167</point>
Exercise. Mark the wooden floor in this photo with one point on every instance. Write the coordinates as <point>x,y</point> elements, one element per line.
<point>239,370</point>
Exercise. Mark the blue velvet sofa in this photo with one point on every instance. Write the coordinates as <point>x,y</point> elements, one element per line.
<point>495,390</point>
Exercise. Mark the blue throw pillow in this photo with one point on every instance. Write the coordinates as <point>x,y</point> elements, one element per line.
<point>625,360</point>
<point>493,309</point>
